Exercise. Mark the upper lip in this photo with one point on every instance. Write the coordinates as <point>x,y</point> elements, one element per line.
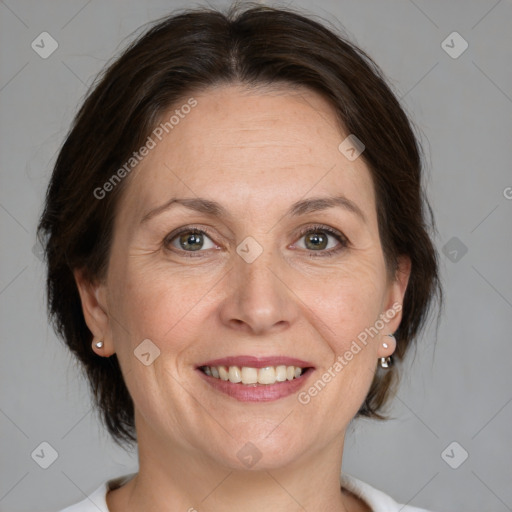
<point>257,362</point>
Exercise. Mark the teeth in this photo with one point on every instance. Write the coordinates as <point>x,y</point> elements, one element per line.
<point>248,375</point>
<point>235,375</point>
<point>281,373</point>
<point>224,374</point>
<point>268,375</point>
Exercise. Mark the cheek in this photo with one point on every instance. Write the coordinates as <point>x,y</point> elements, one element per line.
<point>152,301</point>
<point>351,299</point>
<point>349,307</point>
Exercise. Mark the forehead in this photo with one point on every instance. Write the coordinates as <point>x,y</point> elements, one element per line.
<point>249,148</point>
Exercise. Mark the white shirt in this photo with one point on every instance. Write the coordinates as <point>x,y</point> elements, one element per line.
<point>375,499</point>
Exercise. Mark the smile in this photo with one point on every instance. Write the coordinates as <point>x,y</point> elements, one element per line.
<point>249,375</point>
<point>252,379</point>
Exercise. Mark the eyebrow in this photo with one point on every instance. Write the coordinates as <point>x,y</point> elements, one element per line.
<point>302,207</point>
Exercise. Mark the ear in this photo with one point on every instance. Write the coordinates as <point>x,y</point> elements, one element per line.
<point>94,306</point>
<point>396,293</point>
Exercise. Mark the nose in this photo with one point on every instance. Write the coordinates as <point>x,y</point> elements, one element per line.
<point>258,298</point>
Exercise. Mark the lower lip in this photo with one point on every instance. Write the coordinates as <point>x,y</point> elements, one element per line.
<point>257,392</point>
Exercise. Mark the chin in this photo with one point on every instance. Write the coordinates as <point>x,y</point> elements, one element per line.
<point>259,449</point>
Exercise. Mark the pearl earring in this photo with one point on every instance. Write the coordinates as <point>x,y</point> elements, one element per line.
<point>386,362</point>
<point>99,344</point>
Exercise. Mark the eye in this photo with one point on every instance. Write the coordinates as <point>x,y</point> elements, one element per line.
<point>190,240</point>
<point>316,239</point>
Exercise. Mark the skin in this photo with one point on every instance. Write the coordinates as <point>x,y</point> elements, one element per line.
<point>256,152</point>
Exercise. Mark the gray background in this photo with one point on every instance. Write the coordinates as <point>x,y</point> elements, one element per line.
<point>456,390</point>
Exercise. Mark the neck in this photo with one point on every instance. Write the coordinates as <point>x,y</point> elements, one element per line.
<point>177,478</point>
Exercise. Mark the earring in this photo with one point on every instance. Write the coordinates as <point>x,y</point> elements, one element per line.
<point>386,362</point>
<point>99,344</point>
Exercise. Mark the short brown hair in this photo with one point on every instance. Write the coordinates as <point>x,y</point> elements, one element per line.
<point>191,51</point>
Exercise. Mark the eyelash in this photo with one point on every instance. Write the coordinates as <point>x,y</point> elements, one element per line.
<point>343,240</point>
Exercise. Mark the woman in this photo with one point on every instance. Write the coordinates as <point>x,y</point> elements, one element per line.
<point>237,254</point>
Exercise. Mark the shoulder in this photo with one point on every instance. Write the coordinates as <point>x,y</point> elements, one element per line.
<point>97,500</point>
<point>377,500</point>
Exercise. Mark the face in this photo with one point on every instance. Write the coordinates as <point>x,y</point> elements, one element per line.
<point>251,272</point>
